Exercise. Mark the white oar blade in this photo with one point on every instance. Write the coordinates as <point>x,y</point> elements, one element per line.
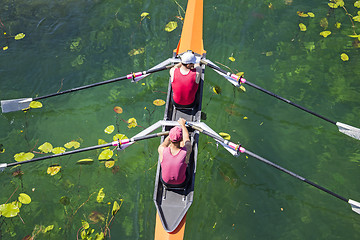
<point>15,104</point>
<point>349,130</point>
<point>355,206</point>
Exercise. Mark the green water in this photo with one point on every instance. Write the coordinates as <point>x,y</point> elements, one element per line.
<point>235,198</point>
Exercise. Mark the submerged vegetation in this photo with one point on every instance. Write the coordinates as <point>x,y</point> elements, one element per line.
<point>280,44</point>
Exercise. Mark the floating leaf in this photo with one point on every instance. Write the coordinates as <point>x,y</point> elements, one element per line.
<point>73,144</point>
<point>144,15</point>
<point>58,150</point>
<point>217,90</point>
<point>118,109</point>
<point>24,198</point>
<point>19,157</point>
<point>245,118</point>
<point>85,224</point>
<point>357,4</point>
<point>85,161</point>
<point>226,136</point>
<point>48,228</point>
<point>64,200</point>
<point>136,51</point>
<point>46,147</point>
<point>119,136</point>
<point>338,25</point>
<point>53,170</point>
<point>106,154</point>
<point>232,59</point>
<point>357,18</point>
<point>101,142</point>
<point>116,208</point>
<point>35,104</point>
<point>344,57</point>
<point>340,3</point>
<point>100,196</point>
<point>325,33</point>
<point>5,48</point>
<point>242,88</point>
<point>132,123</point>
<point>311,14</point>
<point>171,26</point>
<point>333,5</point>
<point>268,54</point>
<point>19,36</point>
<point>302,27</point>
<point>99,236</point>
<point>240,74</point>
<point>302,14</point>
<point>158,102</point>
<point>110,163</point>
<point>10,209</point>
<point>109,129</point>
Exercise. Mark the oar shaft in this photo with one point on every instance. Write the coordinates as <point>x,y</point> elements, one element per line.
<point>267,92</point>
<point>294,175</point>
<point>129,76</point>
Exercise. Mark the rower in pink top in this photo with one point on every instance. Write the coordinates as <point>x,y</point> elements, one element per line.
<point>174,153</point>
<point>185,78</point>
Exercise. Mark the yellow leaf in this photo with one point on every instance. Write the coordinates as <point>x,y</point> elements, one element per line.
<point>325,33</point>
<point>19,36</point>
<point>19,157</point>
<point>357,4</point>
<point>101,141</point>
<point>35,104</point>
<point>53,170</point>
<point>226,136</point>
<point>10,209</point>
<point>106,154</point>
<point>311,14</point>
<point>132,123</point>
<point>242,88</point>
<point>268,54</point>
<point>136,51</point>
<point>48,228</point>
<point>109,129</point>
<point>100,196</point>
<point>46,147</point>
<point>240,74</point>
<point>24,198</point>
<point>324,23</point>
<point>344,57</point>
<point>109,163</point>
<point>302,27</point>
<point>58,150</point>
<point>118,109</point>
<point>340,3</point>
<point>171,26</point>
<point>119,137</point>
<point>5,48</point>
<point>232,59</point>
<point>116,208</point>
<point>144,15</point>
<point>333,5</point>
<point>338,25</point>
<point>302,14</point>
<point>357,18</point>
<point>217,90</point>
<point>71,144</point>
<point>158,102</point>
<point>85,224</point>
<point>245,118</point>
<point>86,161</point>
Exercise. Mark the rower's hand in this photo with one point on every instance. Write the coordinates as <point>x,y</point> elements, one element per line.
<point>182,122</point>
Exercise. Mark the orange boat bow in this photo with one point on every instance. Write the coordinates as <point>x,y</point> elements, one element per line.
<point>192,32</point>
<point>161,234</point>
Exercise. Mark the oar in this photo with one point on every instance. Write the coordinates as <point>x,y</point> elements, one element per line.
<point>355,206</point>
<point>344,128</point>
<point>23,103</point>
<point>114,143</point>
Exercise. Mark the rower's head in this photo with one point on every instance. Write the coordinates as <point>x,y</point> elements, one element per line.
<point>175,134</point>
<point>188,59</point>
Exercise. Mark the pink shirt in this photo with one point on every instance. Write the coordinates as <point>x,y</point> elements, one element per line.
<point>184,87</point>
<point>173,168</point>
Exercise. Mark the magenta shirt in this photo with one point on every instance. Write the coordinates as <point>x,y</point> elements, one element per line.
<point>184,87</point>
<point>173,168</point>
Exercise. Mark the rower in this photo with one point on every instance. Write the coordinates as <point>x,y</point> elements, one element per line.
<point>185,78</point>
<point>174,154</point>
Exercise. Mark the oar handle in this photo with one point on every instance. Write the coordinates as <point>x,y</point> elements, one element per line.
<point>129,76</point>
<point>242,80</point>
<point>114,143</point>
<point>234,146</point>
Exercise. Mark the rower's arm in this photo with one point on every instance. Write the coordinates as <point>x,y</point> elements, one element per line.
<point>163,145</point>
<point>198,72</point>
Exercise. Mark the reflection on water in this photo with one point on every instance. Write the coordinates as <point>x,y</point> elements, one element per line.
<point>73,43</point>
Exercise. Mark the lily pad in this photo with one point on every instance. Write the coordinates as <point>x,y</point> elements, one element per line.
<point>106,154</point>
<point>19,36</point>
<point>86,161</point>
<point>132,123</point>
<point>109,129</point>
<point>46,147</point>
<point>302,27</point>
<point>226,136</point>
<point>118,109</point>
<point>325,33</point>
<point>110,163</point>
<point>35,104</point>
<point>344,57</point>
<point>24,198</point>
<point>73,144</point>
<point>171,26</point>
<point>158,102</point>
<point>58,150</point>
<point>100,196</point>
<point>53,170</point>
<point>119,137</point>
<point>19,157</point>
<point>116,208</point>
<point>10,209</point>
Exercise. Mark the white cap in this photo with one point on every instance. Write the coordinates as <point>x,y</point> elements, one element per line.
<point>188,58</point>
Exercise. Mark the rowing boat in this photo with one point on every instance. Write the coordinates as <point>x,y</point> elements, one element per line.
<point>172,204</point>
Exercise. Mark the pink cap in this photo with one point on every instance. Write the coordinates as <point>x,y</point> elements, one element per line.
<point>175,134</point>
